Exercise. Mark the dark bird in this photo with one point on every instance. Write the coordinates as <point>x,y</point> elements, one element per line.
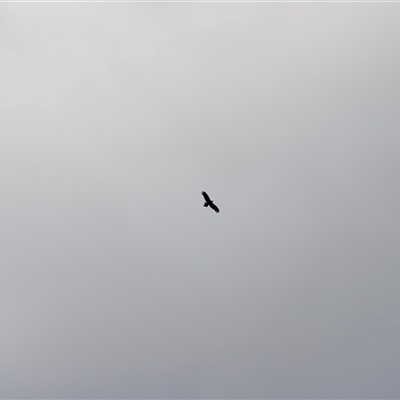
<point>209,202</point>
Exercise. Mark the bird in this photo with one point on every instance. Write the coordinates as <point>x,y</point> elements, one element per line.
<point>209,202</point>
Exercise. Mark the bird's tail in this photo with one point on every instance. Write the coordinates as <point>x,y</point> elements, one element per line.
<point>205,205</point>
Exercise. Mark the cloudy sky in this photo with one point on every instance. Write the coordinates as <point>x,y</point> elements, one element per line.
<point>116,282</point>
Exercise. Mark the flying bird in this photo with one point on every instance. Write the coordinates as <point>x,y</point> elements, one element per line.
<point>209,202</point>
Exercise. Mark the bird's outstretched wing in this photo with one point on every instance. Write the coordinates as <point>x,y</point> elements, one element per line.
<point>214,207</point>
<point>206,197</point>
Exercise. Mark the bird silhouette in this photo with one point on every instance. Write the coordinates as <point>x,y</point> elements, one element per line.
<point>209,202</point>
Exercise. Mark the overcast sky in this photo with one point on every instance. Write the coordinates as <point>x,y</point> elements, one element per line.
<point>116,282</point>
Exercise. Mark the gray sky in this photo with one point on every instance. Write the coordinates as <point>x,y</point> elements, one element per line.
<point>117,283</point>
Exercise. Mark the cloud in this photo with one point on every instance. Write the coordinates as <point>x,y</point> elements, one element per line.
<point>117,282</point>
